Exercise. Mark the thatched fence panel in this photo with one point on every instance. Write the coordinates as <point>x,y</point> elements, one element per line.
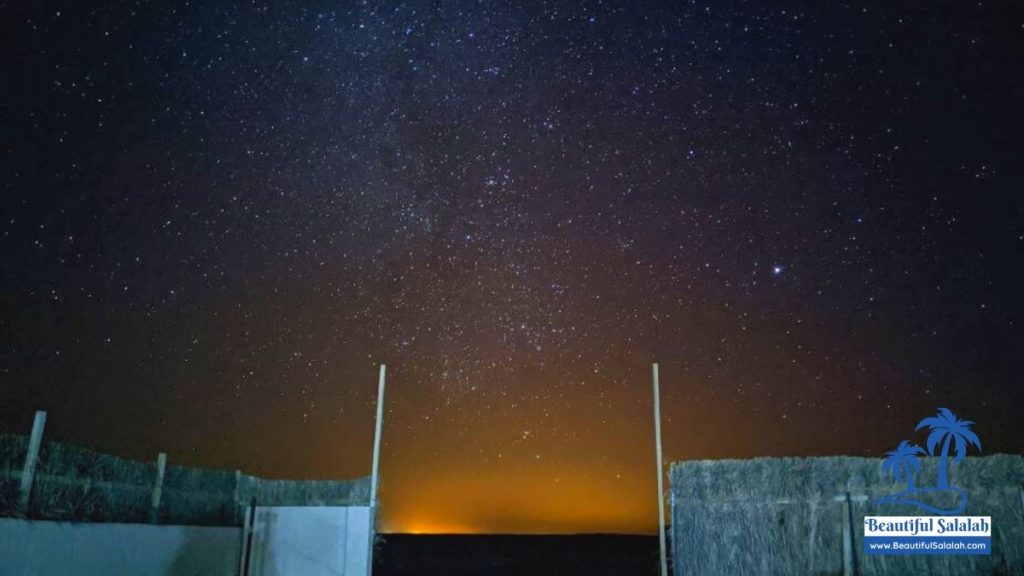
<point>78,484</point>
<point>786,516</point>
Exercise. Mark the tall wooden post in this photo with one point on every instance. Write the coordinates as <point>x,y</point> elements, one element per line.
<point>31,457</point>
<point>376,466</point>
<point>376,436</point>
<point>661,486</point>
<point>158,488</point>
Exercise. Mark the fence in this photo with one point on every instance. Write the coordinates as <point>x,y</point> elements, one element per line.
<point>805,516</point>
<point>53,481</point>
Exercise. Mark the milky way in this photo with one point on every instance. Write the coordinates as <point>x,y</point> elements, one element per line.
<point>217,221</point>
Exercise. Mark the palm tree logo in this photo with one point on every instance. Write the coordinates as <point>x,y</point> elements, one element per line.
<point>948,431</point>
<point>903,463</point>
<point>947,428</point>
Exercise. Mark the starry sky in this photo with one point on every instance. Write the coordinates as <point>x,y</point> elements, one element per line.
<point>219,218</point>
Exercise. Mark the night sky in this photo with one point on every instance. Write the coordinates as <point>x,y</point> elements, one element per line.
<point>218,219</point>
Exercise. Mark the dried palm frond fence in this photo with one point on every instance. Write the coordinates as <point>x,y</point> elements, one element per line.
<point>67,482</point>
<point>806,516</point>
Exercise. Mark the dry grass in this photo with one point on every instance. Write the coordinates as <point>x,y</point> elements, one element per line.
<point>780,516</point>
<point>78,484</point>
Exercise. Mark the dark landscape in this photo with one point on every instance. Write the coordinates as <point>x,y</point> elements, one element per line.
<point>507,555</point>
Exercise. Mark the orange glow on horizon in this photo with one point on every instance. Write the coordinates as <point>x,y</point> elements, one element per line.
<point>435,527</point>
<point>601,482</point>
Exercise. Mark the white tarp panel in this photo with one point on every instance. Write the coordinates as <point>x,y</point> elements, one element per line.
<point>311,541</point>
<point>44,548</point>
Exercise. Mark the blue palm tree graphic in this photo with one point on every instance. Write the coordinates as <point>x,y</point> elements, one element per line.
<point>903,463</point>
<point>948,429</point>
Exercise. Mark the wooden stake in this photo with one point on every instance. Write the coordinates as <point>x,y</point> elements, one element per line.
<point>849,566</point>
<point>236,503</point>
<point>31,457</point>
<point>661,487</point>
<point>158,488</point>
<point>248,531</point>
<point>1022,498</point>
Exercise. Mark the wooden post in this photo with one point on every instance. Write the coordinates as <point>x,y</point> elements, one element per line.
<point>661,487</point>
<point>31,457</point>
<point>849,566</point>
<point>672,518</point>
<point>376,466</point>
<point>813,534</point>
<point>236,502</point>
<point>247,533</point>
<point>158,488</point>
